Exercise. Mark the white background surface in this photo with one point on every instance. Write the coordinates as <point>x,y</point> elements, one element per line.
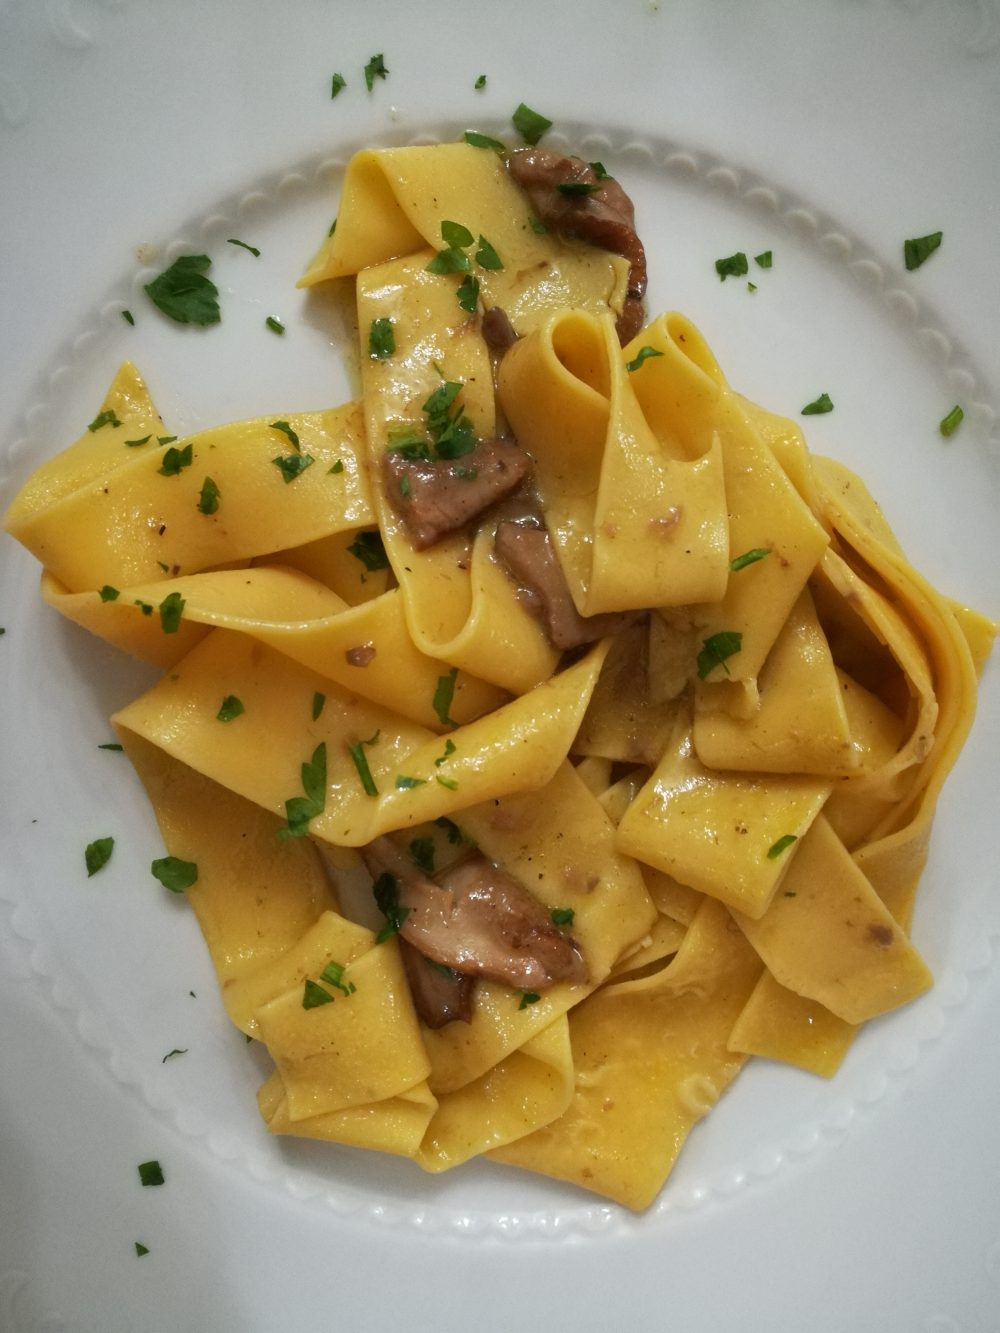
<point>871,1203</point>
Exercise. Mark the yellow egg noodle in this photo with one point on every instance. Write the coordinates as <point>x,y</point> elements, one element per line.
<point>726,802</point>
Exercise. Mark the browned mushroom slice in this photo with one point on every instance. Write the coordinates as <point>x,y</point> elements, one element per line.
<point>498,331</point>
<point>440,995</point>
<point>477,920</point>
<point>527,554</point>
<point>436,497</point>
<point>590,207</point>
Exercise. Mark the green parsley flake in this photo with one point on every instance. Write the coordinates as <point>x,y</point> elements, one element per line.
<point>174,874</point>
<point>333,975</point>
<point>333,227</point>
<point>111,745</point>
<point>717,648</point>
<point>530,125</point>
<point>444,694</point>
<point>292,465</point>
<point>145,607</point>
<point>919,248</point>
<point>299,810</point>
<point>171,609</point>
<point>450,429</point>
<point>176,460</point>
<point>577,189</point>
<point>478,140</point>
<point>357,753</point>
<point>487,257</point>
<point>108,593</point>
<point>450,783</point>
<point>818,406</point>
<point>165,439</point>
<point>337,85</point>
<point>274,324</point>
<point>318,704</point>
<point>783,843</point>
<point>480,83</point>
<point>105,418</point>
<point>381,339</point>
<point>600,171</point>
<point>208,500</point>
<point>386,893</point>
<point>468,293</point>
<point>455,236</point>
<point>765,259</point>
<point>314,995</point>
<point>230,708</point>
<point>178,1050</point>
<point>643,354</point>
<point>286,430</point>
<point>369,549</point>
<point>562,916</point>
<point>422,851</point>
<point>337,468</point>
<point>952,421</point>
<point>451,260</point>
<point>748,558</point>
<point>243,246</point>
<point>132,444</point>
<point>449,750</point>
<point>751,286</point>
<point>528,997</point>
<point>538,226</point>
<point>128,317</point>
<point>184,293</point>
<point>733,266</point>
<point>455,834</point>
<point>404,783</point>
<point>375,69</point>
<point>98,854</point>
<point>151,1173</point>
<point>141,1249</point>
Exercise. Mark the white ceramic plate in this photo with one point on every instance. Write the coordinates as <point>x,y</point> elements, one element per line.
<point>131,129</point>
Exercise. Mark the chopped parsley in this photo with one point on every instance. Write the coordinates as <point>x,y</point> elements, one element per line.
<point>333,227</point>
<point>643,354</point>
<point>184,293</point>
<point>444,694</point>
<point>337,468</point>
<point>600,171</point>
<point>299,810</point>
<point>333,975</point>
<point>128,317</point>
<point>480,82</point>
<point>455,834</point>
<point>208,500</point>
<point>286,430</point>
<point>404,783</point>
<point>369,549</point>
<point>176,460</point>
<point>478,140</point>
<point>951,422</point>
<point>98,854</point>
<point>145,607</point>
<point>783,843</point>
<point>530,125</point>
<point>313,995</point>
<point>455,236</point>
<point>468,293</point>
<point>450,783</point>
<point>318,704</point>
<point>337,85</point>
<point>919,248</point>
<point>386,891</point>
<point>357,753</point>
<point>577,189</point>
<point>375,69</point>
<point>243,246</point>
<point>230,708</point>
<point>562,916</point>
<point>171,609</point>
<point>132,444</point>
<point>716,649</point>
<point>538,226</point>
<point>764,259</point>
<point>274,324</point>
<point>165,439</point>
<point>751,286</point>
<point>450,429</point>
<point>108,593</point>
<point>733,266</point>
<point>178,1050</point>
<point>106,418</point>
<point>748,558</point>
<point>818,406</point>
<point>487,257</point>
<point>450,260</point>
<point>528,997</point>
<point>141,1249</point>
<point>111,745</point>
<point>292,465</point>
<point>381,339</point>
<point>449,750</point>
<point>422,851</point>
<point>150,1173</point>
<point>174,874</point>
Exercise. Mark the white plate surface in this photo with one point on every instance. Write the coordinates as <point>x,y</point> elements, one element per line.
<point>131,132</point>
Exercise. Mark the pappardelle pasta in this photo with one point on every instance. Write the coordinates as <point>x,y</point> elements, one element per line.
<point>628,712</point>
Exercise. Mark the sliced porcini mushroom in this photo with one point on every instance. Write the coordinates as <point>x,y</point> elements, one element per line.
<point>526,552</point>
<point>440,995</point>
<point>601,213</point>
<point>436,497</point>
<point>477,920</point>
<point>498,331</point>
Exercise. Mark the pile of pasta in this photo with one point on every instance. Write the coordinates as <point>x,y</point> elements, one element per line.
<point>736,837</point>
